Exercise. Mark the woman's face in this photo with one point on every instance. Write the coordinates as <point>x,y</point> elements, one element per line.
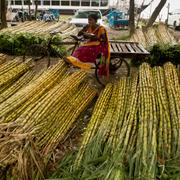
<point>91,21</point>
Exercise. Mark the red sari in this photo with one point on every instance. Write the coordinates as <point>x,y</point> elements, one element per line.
<point>85,56</point>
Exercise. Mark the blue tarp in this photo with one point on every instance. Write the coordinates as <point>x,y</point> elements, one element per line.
<point>55,12</point>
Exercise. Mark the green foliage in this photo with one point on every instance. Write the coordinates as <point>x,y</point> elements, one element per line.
<point>16,44</point>
<point>171,171</point>
<point>160,54</point>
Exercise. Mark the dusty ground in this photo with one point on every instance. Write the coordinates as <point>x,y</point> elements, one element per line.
<point>176,34</point>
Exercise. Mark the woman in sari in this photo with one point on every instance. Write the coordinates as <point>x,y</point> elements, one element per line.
<point>95,47</point>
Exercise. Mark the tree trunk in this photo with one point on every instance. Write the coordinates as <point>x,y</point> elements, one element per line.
<point>36,8</point>
<point>156,13</point>
<point>131,17</point>
<point>3,14</point>
<point>29,9</point>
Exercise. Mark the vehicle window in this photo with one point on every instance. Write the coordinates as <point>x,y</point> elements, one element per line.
<point>85,14</point>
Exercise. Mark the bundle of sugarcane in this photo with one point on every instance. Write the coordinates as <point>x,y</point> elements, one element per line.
<point>69,32</point>
<point>31,26</point>
<point>65,26</point>
<point>21,82</point>
<point>115,133</point>
<point>40,27</point>
<point>98,113</point>
<point>53,27</point>
<point>102,136</point>
<point>146,147</point>
<point>8,78</point>
<point>134,38</point>
<point>164,124</point>
<point>105,130</point>
<point>162,35</point>
<point>34,29</point>
<point>12,107</point>
<point>151,36</point>
<point>2,58</point>
<point>117,130</point>
<point>141,37</point>
<point>93,151</point>
<point>167,37</point>
<point>9,65</point>
<point>47,122</point>
<point>173,93</point>
<point>19,26</point>
<point>69,28</point>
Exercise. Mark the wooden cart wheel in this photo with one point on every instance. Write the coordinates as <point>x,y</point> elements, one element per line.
<point>98,78</point>
<point>117,64</point>
<point>121,65</point>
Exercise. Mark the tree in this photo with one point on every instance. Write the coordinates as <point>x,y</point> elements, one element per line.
<point>29,9</point>
<point>3,11</point>
<point>36,8</point>
<point>131,17</point>
<point>156,13</point>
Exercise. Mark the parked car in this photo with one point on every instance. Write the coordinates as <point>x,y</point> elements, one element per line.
<point>81,17</point>
<point>174,19</point>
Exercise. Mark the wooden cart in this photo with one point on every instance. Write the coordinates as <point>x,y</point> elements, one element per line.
<point>123,50</point>
<point>120,51</point>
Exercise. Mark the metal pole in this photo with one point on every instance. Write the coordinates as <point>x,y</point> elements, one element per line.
<point>168,8</point>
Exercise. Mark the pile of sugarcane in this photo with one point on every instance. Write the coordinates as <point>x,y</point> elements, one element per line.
<point>39,27</point>
<point>37,112</point>
<point>153,35</point>
<point>139,36</point>
<point>2,58</point>
<point>15,40</point>
<point>134,131</point>
<point>164,35</point>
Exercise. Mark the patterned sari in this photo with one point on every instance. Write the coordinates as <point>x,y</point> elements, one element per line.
<point>85,56</point>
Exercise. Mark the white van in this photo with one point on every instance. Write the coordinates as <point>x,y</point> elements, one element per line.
<point>174,19</point>
<point>81,17</point>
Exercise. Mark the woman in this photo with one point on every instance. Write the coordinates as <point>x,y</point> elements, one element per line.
<point>95,47</point>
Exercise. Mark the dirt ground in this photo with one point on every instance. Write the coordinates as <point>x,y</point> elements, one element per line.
<point>176,34</point>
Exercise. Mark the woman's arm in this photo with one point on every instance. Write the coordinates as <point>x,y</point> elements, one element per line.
<point>103,37</point>
<point>102,34</point>
<point>81,32</point>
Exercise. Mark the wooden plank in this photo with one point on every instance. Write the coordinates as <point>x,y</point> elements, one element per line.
<point>137,50</point>
<point>136,45</point>
<point>119,47</point>
<point>120,41</point>
<point>111,48</point>
<point>114,47</point>
<point>142,49</point>
<point>123,47</point>
<point>130,48</point>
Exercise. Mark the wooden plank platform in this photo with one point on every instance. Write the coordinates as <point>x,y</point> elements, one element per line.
<point>128,48</point>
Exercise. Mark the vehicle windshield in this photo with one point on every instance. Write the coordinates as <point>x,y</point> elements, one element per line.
<point>85,14</point>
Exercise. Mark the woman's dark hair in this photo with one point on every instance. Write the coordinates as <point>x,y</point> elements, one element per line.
<point>93,16</point>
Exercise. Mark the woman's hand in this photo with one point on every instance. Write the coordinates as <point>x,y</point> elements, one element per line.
<point>89,35</point>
